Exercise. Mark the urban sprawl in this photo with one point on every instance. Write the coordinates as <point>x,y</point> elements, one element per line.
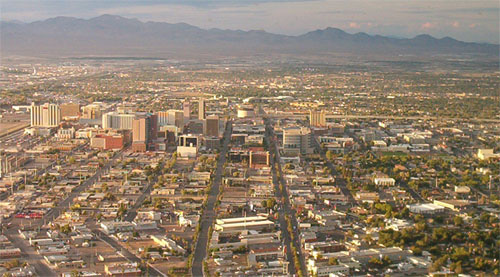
<point>152,168</point>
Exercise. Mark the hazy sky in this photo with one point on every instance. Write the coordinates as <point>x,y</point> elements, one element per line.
<point>472,20</point>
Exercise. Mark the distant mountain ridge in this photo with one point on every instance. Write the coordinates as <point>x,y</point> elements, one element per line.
<point>111,35</point>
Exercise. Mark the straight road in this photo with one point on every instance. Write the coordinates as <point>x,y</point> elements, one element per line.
<point>42,171</point>
<point>412,192</point>
<point>123,251</point>
<point>61,206</point>
<point>37,260</point>
<point>287,208</point>
<point>33,258</point>
<point>132,213</point>
<point>208,216</point>
<point>339,182</point>
<point>282,211</point>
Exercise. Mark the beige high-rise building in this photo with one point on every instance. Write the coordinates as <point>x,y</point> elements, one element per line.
<point>317,118</point>
<point>298,141</point>
<point>46,115</point>
<point>186,108</point>
<point>201,109</point>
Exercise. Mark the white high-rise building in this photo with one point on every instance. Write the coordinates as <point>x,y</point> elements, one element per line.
<point>117,121</point>
<point>46,115</point>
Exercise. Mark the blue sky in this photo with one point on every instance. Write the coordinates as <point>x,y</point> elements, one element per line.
<point>472,20</point>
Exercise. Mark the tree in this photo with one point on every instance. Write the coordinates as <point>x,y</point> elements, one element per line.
<point>456,267</point>
<point>333,261</point>
<point>270,203</point>
<point>66,229</point>
<point>121,211</point>
<point>375,262</point>
<point>329,155</point>
<point>458,221</point>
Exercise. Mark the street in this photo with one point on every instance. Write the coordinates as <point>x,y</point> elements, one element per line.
<point>208,216</point>
<point>287,208</point>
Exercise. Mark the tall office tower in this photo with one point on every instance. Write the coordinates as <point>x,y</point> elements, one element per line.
<point>176,118</point>
<point>317,118</point>
<point>47,115</point>
<point>298,141</point>
<point>171,117</point>
<point>162,118</point>
<point>211,126</point>
<point>201,109</point>
<point>117,121</point>
<point>144,132</point>
<point>140,134</point>
<point>186,107</point>
<point>153,130</point>
<point>70,110</point>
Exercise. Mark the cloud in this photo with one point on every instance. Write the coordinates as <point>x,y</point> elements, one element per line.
<point>427,25</point>
<point>455,24</point>
<point>354,25</point>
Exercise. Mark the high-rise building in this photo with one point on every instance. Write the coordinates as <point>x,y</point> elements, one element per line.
<point>144,132</point>
<point>298,141</point>
<point>47,115</point>
<point>162,118</point>
<point>70,110</point>
<point>171,117</point>
<point>153,132</point>
<point>317,118</point>
<point>117,121</point>
<point>140,134</point>
<point>211,126</point>
<point>201,109</point>
<point>186,108</point>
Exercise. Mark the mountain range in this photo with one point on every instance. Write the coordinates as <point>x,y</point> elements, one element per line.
<point>110,35</point>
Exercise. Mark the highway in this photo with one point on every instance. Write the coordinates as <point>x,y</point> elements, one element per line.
<point>208,217</point>
<point>287,208</point>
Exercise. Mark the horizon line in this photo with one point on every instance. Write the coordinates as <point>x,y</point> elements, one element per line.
<point>16,21</point>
